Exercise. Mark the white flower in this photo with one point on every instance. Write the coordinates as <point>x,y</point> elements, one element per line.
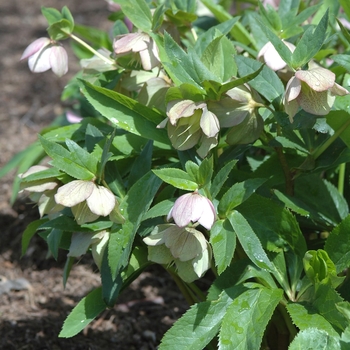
<point>186,247</point>
<point>87,200</point>
<point>193,207</point>
<point>44,54</point>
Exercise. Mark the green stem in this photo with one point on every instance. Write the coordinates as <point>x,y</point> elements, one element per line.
<point>182,286</point>
<point>341,178</point>
<point>96,53</point>
<point>318,151</point>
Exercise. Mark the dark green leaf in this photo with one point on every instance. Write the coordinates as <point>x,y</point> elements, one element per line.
<point>221,177</point>
<point>87,309</point>
<point>53,241</point>
<point>29,232</point>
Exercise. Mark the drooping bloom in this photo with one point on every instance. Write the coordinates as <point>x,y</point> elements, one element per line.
<point>313,90</point>
<point>87,200</point>
<point>238,110</point>
<point>140,43</point>
<point>42,191</point>
<point>82,241</point>
<point>190,123</point>
<point>272,58</point>
<point>44,54</point>
<point>193,207</point>
<point>186,247</point>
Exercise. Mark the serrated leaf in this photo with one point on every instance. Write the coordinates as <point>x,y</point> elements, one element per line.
<point>138,12</point>
<point>160,209</point>
<point>221,177</point>
<point>195,329</point>
<point>223,242</point>
<point>305,316</point>
<point>126,113</point>
<point>249,241</point>
<point>61,159</point>
<point>86,310</point>
<point>310,43</point>
<point>237,194</point>
<point>312,338</point>
<point>292,203</point>
<point>267,83</point>
<point>246,318</point>
<point>338,245</point>
<point>177,178</point>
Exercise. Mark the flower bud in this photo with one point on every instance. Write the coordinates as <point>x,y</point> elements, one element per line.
<point>193,207</point>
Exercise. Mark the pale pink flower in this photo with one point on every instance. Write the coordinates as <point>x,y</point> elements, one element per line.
<point>44,54</point>
<point>313,90</point>
<point>193,207</point>
<point>140,43</point>
<point>271,57</point>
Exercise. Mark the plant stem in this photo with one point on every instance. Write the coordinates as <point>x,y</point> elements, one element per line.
<point>96,53</point>
<point>183,288</point>
<point>341,178</point>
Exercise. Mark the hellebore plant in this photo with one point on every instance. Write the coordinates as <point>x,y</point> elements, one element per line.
<point>216,146</point>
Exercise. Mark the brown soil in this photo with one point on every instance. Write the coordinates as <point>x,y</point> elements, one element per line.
<point>33,302</point>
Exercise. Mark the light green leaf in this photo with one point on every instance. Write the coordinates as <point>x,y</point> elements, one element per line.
<point>313,338</point>
<point>305,316</point>
<point>86,310</point>
<point>310,43</point>
<point>221,177</point>
<point>249,241</point>
<point>62,159</point>
<point>60,30</point>
<point>237,194</point>
<point>198,326</point>
<point>160,209</point>
<point>51,14</point>
<point>223,242</point>
<point>340,123</point>
<point>138,12</point>
<point>246,318</point>
<point>177,178</point>
<point>125,112</point>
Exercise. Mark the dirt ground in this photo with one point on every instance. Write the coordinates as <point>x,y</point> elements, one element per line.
<point>33,302</point>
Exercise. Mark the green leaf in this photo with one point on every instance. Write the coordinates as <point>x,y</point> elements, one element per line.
<point>51,14</point>
<point>133,207</point>
<point>305,316</point>
<point>53,241</point>
<point>255,308</point>
<point>223,242</point>
<point>29,232</point>
<point>249,241</point>
<point>60,30</point>
<point>63,160</point>
<point>86,310</point>
<point>310,43</point>
<point>177,178</point>
<point>126,113</point>
<point>313,338</point>
<point>138,12</point>
<point>291,203</point>
<point>82,157</point>
<point>340,123</point>
<point>221,177</point>
<point>142,164</point>
<point>218,57</point>
<point>199,325</point>
<point>237,194</point>
<point>338,245</point>
<point>160,209</point>
<point>205,171</point>
<point>266,83</point>
<point>67,15</point>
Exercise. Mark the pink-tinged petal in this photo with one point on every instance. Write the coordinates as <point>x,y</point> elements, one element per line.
<point>293,89</point>
<point>34,47</point>
<point>133,42</point>
<point>32,170</point>
<point>74,192</point>
<point>208,216</point>
<point>59,60</point>
<point>101,201</point>
<point>73,117</point>
<point>272,58</point>
<point>181,109</point>
<point>40,61</point>
<point>319,79</point>
<point>338,90</point>
<point>209,123</point>
<point>315,103</point>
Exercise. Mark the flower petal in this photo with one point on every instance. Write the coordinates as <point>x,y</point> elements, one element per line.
<point>133,42</point>
<point>74,192</point>
<point>319,79</point>
<point>59,60</point>
<point>209,123</point>
<point>101,201</point>
<point>34,47</point>
<point>40,61</point>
